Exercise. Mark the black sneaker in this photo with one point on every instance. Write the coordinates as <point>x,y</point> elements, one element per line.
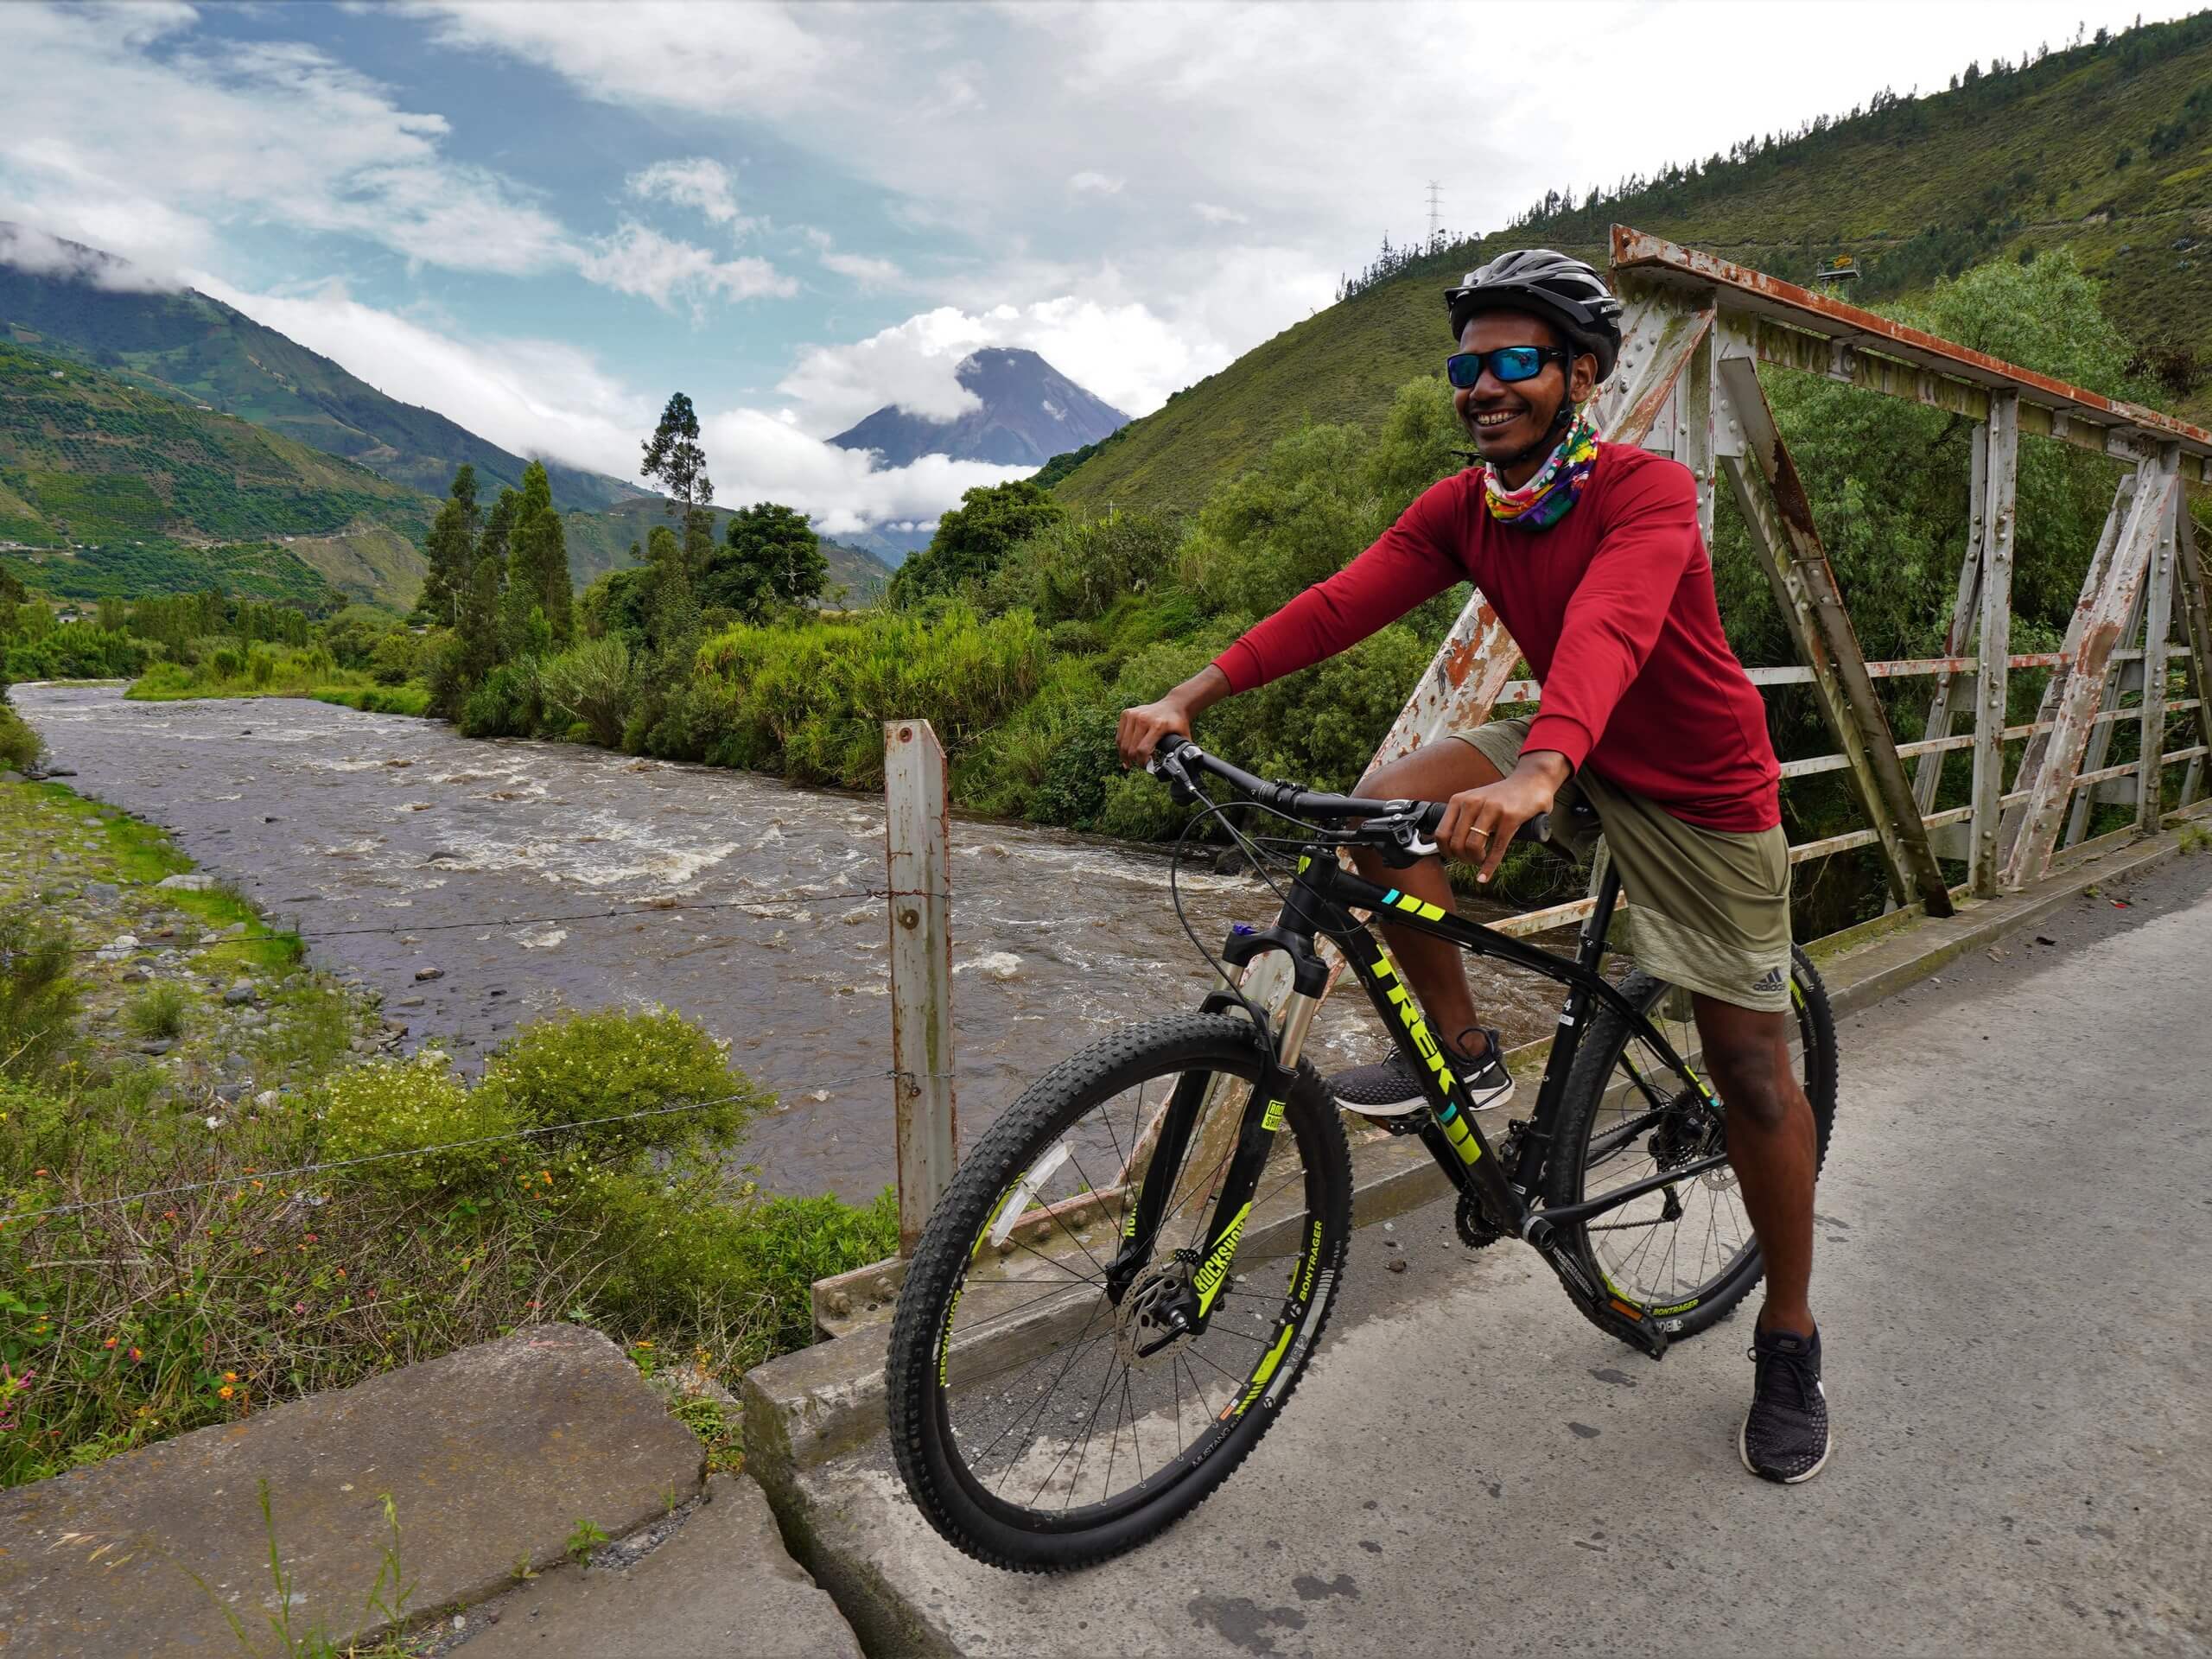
<point>1785,1433</point>
<point>1388,1093</point>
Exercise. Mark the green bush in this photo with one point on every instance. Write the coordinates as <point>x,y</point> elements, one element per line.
<point>591,682</point>
<point>599,1069</point>
<point>158,1012</point>
<point>38,996</point>
<point>19,746</point>
<point>374,1111</point>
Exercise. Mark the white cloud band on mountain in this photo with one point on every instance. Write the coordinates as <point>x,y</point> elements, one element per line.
<point>28,247</point>
<point>542,397</point>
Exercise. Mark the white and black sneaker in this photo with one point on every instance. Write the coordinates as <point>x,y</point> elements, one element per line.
<point>1388,1093</point>
<point>1785,1433</point>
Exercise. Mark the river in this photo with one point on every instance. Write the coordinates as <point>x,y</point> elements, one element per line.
<point>479,857</point>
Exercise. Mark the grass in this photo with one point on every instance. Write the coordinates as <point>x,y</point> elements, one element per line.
<point>123,1323</point>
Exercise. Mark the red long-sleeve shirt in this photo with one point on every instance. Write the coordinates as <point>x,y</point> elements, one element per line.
<point>1613,606</point>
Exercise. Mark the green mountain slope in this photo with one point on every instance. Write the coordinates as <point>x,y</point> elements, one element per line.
<point>99,476</point>
<point>195,350</point>
<point>600,541</point>
<point>2105,149</point>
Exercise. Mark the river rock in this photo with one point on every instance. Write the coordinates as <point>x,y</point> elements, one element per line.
<point>185,881</point>
<point>421,974</point>
<point>267,1100</point>
<point>241,992</point>
<point>158,1045</point>
<point>105,893</point>
<point>11,776</point>
<point>134,976</point>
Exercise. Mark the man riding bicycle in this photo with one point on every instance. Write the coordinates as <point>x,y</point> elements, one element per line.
<point>1591,555</point>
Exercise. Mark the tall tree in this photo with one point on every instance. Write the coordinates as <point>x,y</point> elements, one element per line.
<point>537,570</point>
<point>451,550</point>
<point>673,456</point>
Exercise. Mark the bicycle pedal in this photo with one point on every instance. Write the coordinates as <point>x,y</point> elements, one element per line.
<point>1638,1329</point>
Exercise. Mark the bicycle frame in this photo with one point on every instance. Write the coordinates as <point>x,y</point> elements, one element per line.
<point>1320,903</point>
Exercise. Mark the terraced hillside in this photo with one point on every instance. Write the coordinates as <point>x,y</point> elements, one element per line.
<point>2104,149</point>
<point>106,477</point>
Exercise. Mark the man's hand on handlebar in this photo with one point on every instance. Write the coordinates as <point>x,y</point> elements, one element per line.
<point>1143,727</point>
<point>1479,824</point>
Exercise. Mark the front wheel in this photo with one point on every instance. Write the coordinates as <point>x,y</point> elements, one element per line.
<point>1040,1422</point>
<point>1684,1254</point>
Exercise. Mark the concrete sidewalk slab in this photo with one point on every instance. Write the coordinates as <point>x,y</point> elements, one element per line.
<point>2012,1260</point>
<point>491,1456</point>
<point>722,1586</point>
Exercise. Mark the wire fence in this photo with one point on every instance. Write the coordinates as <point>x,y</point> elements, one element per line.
<point>651,907</point>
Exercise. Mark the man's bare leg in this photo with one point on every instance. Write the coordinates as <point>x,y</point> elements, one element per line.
<point>1434,968</point>
<point>1772,1146</point>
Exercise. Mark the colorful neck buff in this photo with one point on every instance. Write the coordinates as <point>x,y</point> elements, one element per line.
<point>1543,501</point>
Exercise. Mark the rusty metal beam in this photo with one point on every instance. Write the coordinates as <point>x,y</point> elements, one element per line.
<point>1999,440</point>
<point>2058,409</point>
<point>2077,686</point>
<point>1780,519</point>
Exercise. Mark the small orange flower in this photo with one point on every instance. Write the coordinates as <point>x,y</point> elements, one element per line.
<point>109,1343</point>
<point>342,1273</point>
<point>137,1354</point>
<point>229,1376</point>
<point>226,1391</point>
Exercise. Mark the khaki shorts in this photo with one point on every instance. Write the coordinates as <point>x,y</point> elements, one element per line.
<point>1704,909</point>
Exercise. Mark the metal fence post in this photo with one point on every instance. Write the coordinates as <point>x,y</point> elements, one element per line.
<point>916,836</point>
<point>2000,435</point>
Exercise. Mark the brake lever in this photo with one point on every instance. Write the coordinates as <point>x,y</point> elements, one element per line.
<point>1170,767</point>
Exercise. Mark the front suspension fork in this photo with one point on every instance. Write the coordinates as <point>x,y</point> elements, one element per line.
<point>1198,1111</point>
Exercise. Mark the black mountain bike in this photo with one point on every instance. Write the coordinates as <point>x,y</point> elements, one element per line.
<point>1129,1273</point>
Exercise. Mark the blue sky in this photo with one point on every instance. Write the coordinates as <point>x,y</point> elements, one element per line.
<point>542,218</point>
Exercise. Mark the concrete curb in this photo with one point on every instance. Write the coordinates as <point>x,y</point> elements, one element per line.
<point>808,1408</point>
<point>491,1455</point>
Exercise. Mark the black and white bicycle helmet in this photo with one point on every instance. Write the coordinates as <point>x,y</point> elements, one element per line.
<point>1564,291</point>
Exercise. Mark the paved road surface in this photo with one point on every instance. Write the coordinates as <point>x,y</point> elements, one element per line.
<point>2016,1239</point>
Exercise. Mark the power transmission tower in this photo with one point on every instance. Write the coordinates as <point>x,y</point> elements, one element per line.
<point>1435,212</point>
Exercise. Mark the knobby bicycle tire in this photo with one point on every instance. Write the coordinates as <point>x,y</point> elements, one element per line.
<point>1594,1080</point>
<point>941,1469</point>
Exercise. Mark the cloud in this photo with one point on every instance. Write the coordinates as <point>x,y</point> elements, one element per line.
<point>157,157</point>
<point>865,269</point>
<point>663,54</point>
<point>546,398</point>
<point>1095,184</point>
<point>1214,215</point>
<point>29,249</point>
<point>637,259</point>
<point>534,396</point>
<point>699,182</point>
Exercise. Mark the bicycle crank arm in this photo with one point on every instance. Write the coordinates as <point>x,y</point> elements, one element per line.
<point>1612,1313</point>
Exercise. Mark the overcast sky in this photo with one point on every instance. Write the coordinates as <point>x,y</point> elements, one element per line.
<point>541,219</point>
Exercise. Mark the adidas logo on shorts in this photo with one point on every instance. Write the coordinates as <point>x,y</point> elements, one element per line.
<point>1770,981</point>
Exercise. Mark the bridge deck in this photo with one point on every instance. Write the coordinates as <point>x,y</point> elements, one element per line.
<point>2013,1261</point>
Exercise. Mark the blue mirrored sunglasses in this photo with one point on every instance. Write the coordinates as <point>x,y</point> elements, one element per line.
<point>1509,364</point>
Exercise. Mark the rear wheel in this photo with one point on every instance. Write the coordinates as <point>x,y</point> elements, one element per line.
<point>1040,1422</point>
<point>1684,1254</point>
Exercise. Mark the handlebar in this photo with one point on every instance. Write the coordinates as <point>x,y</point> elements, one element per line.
<point>1409,825</point>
